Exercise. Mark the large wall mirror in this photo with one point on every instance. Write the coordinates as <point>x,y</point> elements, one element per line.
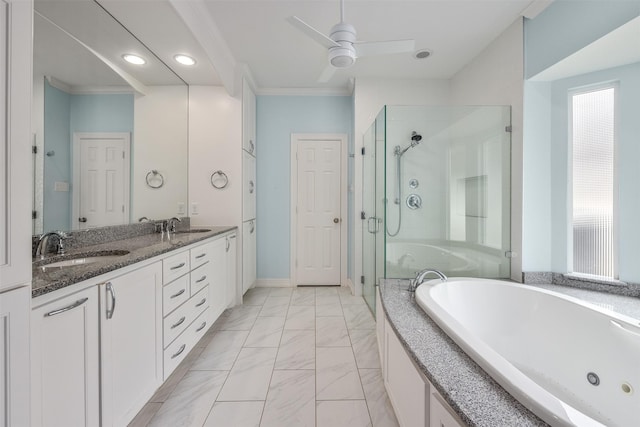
<point>110,137</point>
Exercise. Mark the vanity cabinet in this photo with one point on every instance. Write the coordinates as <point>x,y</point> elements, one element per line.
<point>96,353</point>
<point>130,343</point>
<point>441,414</point>
<point>249,186</point>
<point>65,374</point>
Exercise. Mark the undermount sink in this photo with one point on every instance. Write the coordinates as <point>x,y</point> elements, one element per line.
<point>82,259</point>
<point>193,230</point>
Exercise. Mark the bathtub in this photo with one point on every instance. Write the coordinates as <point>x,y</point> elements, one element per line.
<point>569,362</point>
<point>405,258</point>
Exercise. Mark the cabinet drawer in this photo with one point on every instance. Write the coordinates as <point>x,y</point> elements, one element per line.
<point>200,255</point>
<point>200,278</point>
<point>175,294</point>
<point>178,321</point>
<point>200,302</point>
<point>175,266</point>
<point>178,350</point>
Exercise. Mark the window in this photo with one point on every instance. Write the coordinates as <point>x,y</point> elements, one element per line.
<point>594,181</point>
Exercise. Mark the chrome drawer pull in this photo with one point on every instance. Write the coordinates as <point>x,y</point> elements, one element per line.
<point>178,293</point>
<point>182,347</point>
<point>182,264</point>
<point>201,255</point>
<point>67,308</point>
<point>180,322</point>
<point>202,279</point>
<point>201,327</point>
<point>201,302</point>
<point>113,300</point>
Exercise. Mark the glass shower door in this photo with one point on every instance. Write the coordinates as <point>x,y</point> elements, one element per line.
<point>368,219</point>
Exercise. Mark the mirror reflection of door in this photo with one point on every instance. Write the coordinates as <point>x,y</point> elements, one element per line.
<point>101,179</point>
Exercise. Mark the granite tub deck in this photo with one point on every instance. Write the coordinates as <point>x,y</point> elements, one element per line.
<point>468,389</point>
<point>140,248</point>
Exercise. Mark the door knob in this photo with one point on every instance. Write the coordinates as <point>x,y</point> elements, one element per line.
<point>82,219</point>
<point>336,220</point>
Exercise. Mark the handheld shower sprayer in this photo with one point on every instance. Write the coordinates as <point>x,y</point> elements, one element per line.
<point>398,151</point>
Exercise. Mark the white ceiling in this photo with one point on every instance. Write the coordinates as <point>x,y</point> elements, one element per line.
<point>279,56</point>
<point>256,33</point>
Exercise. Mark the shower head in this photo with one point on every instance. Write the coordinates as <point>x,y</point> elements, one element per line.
<point>415,140</point>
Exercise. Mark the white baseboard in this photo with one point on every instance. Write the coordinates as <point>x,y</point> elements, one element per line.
<point>273,283</point>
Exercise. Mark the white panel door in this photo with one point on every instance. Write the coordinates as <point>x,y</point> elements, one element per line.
<point>318,223</point>
<point>103,180</point>
<point>248,255</point>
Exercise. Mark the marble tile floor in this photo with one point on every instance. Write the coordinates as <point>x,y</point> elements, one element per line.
<point>288,357</point>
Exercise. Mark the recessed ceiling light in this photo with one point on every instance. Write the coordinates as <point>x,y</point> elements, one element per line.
<point>184,59</point>
<point>422,54</point>
<point>134,59</point>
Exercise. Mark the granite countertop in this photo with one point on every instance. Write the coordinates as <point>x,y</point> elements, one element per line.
<point>476,397</point>
<point>140,248</point>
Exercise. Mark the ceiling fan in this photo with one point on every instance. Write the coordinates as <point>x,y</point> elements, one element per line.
<point>343,47</point>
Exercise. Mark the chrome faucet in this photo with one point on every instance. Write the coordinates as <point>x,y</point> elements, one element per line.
<point>421,276</point>
<point>171,224</point>
<point>41,247</point>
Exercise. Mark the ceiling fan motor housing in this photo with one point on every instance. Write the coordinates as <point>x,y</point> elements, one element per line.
<point>345,55</point>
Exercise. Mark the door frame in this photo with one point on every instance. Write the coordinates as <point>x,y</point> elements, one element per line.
<point>296,138</point>
<point>75,159</point>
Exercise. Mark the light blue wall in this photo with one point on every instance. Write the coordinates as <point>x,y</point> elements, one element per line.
<point>567,26</point>
<point>277,118</point>
<point>552,119</point>
<point>64,115</point>
<point>57,167</point>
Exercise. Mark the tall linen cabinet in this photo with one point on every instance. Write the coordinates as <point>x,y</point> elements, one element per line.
<point>16,41</point>
<point>222,185</point>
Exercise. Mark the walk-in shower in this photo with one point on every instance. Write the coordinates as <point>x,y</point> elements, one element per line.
<point>436,184</point>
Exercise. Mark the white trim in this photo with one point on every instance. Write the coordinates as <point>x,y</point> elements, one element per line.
<point>273,283</point>
<point>88,90</point>
<point>75,179</point>
<point>307,91</point>
<point>344,156</point>
<point>351,286</point>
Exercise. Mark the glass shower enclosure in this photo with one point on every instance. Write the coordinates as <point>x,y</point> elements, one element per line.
<point>436,193</point>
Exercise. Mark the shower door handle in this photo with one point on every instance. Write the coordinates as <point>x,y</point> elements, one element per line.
<point>376,225</point>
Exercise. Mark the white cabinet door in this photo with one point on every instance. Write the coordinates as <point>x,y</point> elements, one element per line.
<point>405,387</point>
<point>218,283</point>
<point>248,255</point>
<point>249,186</point>
<point>380,322</point>
<point>14,357</point>
<point>441,414</point>
<point>248,118</point>
<point>131,342</point>
<point>15,151</point>
<point>65,383</point>
<point>232,285</point>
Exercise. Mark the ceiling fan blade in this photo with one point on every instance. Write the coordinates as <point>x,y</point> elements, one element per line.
<point>327,73</point>
<point>384,48</point>
<point>312,32</point>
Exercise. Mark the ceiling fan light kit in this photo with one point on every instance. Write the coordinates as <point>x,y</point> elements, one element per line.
<point>343,47</point>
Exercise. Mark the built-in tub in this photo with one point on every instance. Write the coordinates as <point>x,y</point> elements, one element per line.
<point>544,348</point>
<point>405,259</point>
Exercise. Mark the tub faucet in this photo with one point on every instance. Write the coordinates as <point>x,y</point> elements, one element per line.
<point>421,276</point>
<point>41,247</point>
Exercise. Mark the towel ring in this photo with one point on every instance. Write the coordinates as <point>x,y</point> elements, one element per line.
<point>219,180</point>
<point>155,179</point>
